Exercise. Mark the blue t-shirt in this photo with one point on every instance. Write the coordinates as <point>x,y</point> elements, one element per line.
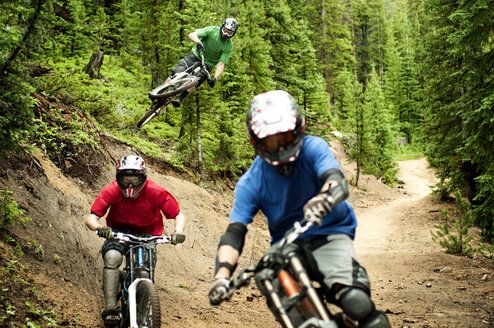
<point>282,198</point>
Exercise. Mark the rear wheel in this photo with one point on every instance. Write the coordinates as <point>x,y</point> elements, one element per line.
<point>148,305</point>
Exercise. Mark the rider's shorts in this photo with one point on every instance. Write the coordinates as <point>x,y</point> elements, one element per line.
<point>186,62</point>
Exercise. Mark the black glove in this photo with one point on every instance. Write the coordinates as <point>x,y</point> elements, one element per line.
<point>317,207</point>
<point>200,46</point>
<point>218,291</point>
<point>178,238</point>
<point>212,82</point>
<point>105,232</point>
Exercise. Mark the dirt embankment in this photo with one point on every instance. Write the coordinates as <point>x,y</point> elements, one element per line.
<point>412,278</point>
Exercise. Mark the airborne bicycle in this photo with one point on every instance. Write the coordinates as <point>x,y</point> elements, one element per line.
<point>138,298</point>
<point>162,95</point>
<point>290,293</point>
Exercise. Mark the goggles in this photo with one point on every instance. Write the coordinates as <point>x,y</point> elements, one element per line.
<point>130,181</point>
<point>277,141</point>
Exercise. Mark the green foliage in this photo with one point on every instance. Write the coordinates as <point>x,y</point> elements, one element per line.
<point>454,233</point>
<point>10,212</point>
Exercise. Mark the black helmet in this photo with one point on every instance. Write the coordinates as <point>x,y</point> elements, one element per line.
<point>131,175</point>
<point>228,28</point>
<point>276,128</point>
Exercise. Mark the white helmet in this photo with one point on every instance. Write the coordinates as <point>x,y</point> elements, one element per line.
<point>131,175</point>
<point>276,128</point>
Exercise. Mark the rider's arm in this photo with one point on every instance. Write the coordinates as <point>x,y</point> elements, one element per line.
<point>92,222</point>
<point>179,223</point>
<point>334,185</point>
<point>229,250</point>
<point>194,37</point>
<point>219,69</point>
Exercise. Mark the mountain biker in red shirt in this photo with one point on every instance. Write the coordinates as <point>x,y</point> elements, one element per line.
<point>133,204</point>
<point>216,45</point>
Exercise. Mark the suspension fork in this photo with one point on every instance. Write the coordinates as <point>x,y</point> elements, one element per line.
<point>275,298</point>
<point>303,277</point>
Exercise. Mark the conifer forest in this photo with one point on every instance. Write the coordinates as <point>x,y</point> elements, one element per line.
<point>393,77</point>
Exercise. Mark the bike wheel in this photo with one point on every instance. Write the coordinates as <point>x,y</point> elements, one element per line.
<point>148,305</point>
<point>173,87</point>
<point>152,112</point>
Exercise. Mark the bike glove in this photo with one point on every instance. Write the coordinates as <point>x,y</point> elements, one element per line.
<point>212,82</point>
<point>200,46</point>
<point>317,207</point>
<point>105,232</point>
<point>219,290</point>
<point>178,238</point>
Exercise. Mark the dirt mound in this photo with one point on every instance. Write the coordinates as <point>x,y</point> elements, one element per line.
<point>59,272</point>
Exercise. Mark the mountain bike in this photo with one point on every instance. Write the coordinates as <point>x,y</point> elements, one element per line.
<point>138,297</point>
<point>163,94</point>
<point>292,296</point>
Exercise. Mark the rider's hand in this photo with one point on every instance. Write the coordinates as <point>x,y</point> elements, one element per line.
<point>218,291</point>
<point>212,82</point>
<point>105,232</point>
<point>200,46</point>
<point>178,238</point>
<point>317,207</point>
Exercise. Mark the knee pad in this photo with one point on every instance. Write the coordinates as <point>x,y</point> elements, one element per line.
<point>377,319</point>
<point>113,259</point>
<point>355,302</point>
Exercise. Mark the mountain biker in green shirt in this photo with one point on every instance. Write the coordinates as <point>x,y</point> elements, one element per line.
<point>216,45</point>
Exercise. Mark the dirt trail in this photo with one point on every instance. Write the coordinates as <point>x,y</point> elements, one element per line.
<point>413,279</point>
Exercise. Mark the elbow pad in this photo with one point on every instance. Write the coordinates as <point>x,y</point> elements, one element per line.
<point>340,191</point>
<point>234,236</point>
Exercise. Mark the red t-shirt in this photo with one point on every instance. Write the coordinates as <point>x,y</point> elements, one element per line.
<point>142,214</point>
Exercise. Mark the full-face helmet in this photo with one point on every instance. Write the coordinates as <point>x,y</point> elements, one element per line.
<point>131,175</point>
<point>228,28</point>
<point>276,128</point>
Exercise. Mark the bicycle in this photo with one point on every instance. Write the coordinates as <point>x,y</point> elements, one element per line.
<point>163,94</point>
<point>291,295</point>
<point>138,298</point>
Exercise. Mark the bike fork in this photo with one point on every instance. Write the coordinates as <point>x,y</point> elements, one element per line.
<point>133,301</point>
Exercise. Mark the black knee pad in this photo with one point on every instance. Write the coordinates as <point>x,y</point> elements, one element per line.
<point>355,302</point>
<point>377,319</point>
<point>113,259</point>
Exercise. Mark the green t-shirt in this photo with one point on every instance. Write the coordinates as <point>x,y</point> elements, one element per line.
<point>215,49</point>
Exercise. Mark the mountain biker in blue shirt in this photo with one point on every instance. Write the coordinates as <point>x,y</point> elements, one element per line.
<point>297,176</point>
<point>216,45</point>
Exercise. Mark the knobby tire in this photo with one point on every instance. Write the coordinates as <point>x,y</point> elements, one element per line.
<point>148,305</point>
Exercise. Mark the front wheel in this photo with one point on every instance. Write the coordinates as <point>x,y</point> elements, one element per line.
<point>148,305</point>
<point>153,111</point>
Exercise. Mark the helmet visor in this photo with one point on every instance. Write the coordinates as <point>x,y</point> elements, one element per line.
<point>278,141</point>
<point>226,32</point>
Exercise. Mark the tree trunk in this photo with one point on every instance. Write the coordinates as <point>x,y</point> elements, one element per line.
<point>199,150</point>
<point>94,65</point>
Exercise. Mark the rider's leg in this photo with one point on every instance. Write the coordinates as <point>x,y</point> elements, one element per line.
<point>336,262</point>
<point>113,259</point>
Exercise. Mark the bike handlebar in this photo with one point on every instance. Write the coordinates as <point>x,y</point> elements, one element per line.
<point>130,237</point>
